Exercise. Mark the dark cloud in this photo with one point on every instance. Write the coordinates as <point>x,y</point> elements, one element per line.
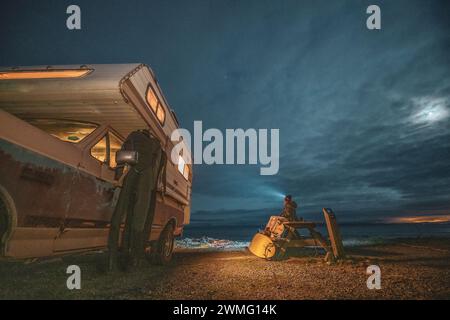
<point>362,114</point>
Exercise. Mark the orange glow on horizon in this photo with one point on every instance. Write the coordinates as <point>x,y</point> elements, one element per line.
<point>422,219</point>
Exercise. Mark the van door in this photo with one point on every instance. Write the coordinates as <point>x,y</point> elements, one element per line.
<point>94,196</point>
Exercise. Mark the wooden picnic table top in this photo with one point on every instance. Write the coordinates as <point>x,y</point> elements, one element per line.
<point>300,224</point>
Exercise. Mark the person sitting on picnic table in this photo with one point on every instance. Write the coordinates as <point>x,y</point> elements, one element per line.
<point>289,209</point>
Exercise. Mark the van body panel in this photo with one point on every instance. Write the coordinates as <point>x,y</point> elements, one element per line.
<point>39,186</point>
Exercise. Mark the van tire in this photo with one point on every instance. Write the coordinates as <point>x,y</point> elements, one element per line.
<point>4,224</point>
<point>7,219</point>
<point>163,252</point>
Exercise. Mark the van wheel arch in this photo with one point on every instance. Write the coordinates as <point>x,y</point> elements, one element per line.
<point>8,218</point>
<point>162,249</point>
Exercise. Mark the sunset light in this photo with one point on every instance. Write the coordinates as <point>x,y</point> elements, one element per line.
<point>422,219</point>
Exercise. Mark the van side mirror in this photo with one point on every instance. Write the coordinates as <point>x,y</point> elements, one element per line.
<point>126,157</point>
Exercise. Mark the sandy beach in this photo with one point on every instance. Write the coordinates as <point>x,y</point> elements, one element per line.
<point>410,269</point>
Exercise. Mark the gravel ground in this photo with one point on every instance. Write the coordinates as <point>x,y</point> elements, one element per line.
<point>410,269</point>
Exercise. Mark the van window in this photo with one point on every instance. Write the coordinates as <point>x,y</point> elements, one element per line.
<point>160,114</point>
<point>186,172</point>
<point>65,130</point>
<point>151,99</point>
<point>114,145</point>
<point>155,105</point>
<point>105,150</point>
<point>99,151</point>
<point>183,168</point>
<point>44,74</point>
<point>181,164</point>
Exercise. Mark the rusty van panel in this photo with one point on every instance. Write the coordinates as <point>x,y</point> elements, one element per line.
<point>93,201</point>
<point>32,242</point>
<point>60,193</point>
<point>39,186</point>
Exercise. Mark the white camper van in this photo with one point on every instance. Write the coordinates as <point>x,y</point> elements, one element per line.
<point>60,128</point>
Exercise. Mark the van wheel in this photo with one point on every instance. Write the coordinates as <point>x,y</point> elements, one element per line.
<point>164,247</point>
<point>8,216</point>
<point>4,222</point>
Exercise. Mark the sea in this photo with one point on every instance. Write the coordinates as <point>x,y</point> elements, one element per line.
<point>199,235</point>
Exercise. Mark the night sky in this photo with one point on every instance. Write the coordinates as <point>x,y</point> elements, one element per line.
<point>364,116</point>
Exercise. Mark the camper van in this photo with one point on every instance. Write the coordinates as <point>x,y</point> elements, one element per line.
<point>60,130</point>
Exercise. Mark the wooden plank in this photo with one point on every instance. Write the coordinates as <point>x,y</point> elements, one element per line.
<point>320,239</point>
<point>300,243</point>
<point>334,233</point>
<point>300,224</point>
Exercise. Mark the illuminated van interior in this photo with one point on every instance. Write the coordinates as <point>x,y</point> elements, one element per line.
<point>109,143</point>
<point>155,105</point>
<point>65,130</point>
<point>183,167</point>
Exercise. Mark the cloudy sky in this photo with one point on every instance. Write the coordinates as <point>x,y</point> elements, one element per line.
<point>364,116</point>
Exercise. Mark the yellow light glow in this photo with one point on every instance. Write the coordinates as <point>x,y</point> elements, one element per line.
<point>155,105</point>
<point>43,74</point>
<point>160,114</point>
<point>151,99</point>
<point>186,172</point>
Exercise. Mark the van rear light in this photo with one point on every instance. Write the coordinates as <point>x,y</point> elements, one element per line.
<point>43,74</point>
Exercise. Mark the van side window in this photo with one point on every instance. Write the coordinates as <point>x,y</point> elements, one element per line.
<point>114,145</point>
<point>181,164</point>
<point>105,150</point>
<point>155,105</point>
<point>160,114</point>
<point>151,99</point>
<point>183,167</point>
<point>99,151</point>
<point>186,172</point>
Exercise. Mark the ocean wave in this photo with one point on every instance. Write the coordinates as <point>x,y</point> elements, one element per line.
<point>355,242</point>
<point>210,243</point>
